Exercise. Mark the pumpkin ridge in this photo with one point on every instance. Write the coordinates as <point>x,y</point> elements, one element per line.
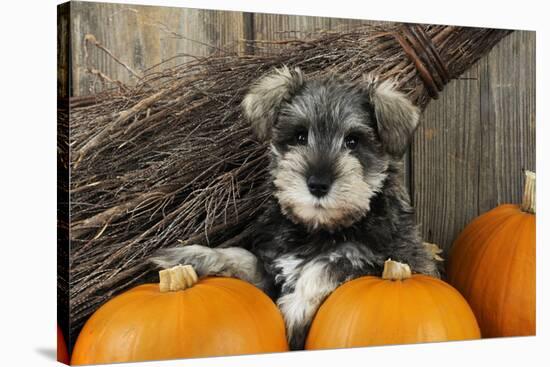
<point>210,307</point>
<point>234,294</point>
<point>151,299</point>
<point>477,261</point>
<point>252,316</point>
<point>355,316</point>
<point>216,290</point>
<point>133,352</point>
<point>400,290</point>
<point>458,298</point>
<point>375,286</point>
<point>491,250</point>
<point>100,336</point>
<point>472,235</point>
<point>514,242</point>
<point>368,291</point>
<point>518,235</point>
<point>204,291</point>
<point>420,288</point>
<point>489,216</point>
<point>182,310</point>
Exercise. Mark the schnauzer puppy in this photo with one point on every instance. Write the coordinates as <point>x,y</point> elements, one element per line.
<point>338,208</point>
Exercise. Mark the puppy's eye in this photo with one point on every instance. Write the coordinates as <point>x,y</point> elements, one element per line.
<point>301,137</point>
<point>351,142</point>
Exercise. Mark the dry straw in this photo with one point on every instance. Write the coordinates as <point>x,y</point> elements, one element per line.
<point>171,162</point>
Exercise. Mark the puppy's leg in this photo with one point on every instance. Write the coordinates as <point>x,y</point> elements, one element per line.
<point>316,280</point>
<point>298,307</point>
<point>229,262</point>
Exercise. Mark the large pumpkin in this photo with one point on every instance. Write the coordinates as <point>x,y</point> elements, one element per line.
<point>398,308</point>
<point>492,263</point>
<point>179,319</point>
<point>62,353</point>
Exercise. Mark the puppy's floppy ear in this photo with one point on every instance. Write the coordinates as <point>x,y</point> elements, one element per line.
<point>396,116</point>
<point>261,104</point>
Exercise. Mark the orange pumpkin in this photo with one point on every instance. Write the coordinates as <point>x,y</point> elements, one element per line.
<point>180,318</point>
<point>493,264</point>
<point>62,353</point>
<point>398,308</point>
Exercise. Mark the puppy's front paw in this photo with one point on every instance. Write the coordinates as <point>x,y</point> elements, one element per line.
<point>195,255</point>
<point>298,312</point>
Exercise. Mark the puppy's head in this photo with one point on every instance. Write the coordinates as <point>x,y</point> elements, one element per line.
<point>331,142</point>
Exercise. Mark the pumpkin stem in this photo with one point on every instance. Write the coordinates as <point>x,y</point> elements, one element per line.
<point>528,203</point>
<point>394,270</point>
<point>177,278</point>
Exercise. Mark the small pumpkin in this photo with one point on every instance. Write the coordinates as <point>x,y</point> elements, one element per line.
<point>397,308</point>
<point>179,318</point>
<point>62,353</point>
<point>493,264</point>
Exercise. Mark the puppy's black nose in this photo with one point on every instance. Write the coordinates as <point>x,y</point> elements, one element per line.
<point>318,186</point>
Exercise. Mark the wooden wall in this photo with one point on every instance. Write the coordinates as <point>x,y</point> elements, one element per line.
<point>475,141</point>
<point>467,155</point>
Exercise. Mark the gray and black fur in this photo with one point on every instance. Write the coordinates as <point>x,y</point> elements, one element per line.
<point>338,209</point>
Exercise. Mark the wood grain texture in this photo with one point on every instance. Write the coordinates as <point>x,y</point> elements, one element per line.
<point>444,160</point>
<point>283,27</point>
<point>279,27</point>
<point>63,50</point>
<point>473,144</point>
<point>508,129</point>
<point>144,36</point>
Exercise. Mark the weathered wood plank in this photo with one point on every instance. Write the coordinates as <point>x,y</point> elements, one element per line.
<point>474,142</point>
<point>508,120</point>
<point>277,27</point>
<point>445,160</point>
<point>143,36</point>
<point>281,27</point>
<point>63,49</point>
<point>340,24</point>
